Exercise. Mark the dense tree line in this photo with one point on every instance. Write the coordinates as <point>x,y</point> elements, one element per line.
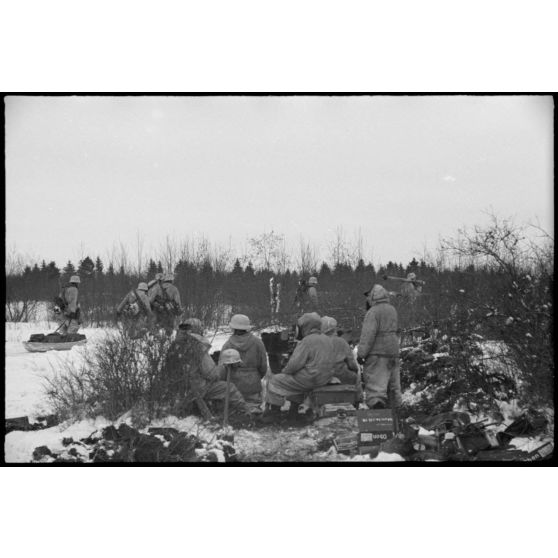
<point>207,292</point>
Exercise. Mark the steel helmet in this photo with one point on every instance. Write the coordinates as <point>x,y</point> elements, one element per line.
<point>230,356</point>
<point>412,276</point>
<point>168,277</point>
<point>377,292</point>
<point>329,324</point>
<point>75,279</point>
<point>312,281</point>
<point>240,321</point>
<point>142,287</point>
<point>158,276</point>
<point>194,324</point>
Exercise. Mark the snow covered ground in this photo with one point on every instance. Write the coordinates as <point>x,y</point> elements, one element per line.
<point>25,372</point>
<point>25,375</point>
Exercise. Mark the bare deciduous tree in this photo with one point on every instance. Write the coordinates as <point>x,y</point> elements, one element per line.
<point>307,257</point>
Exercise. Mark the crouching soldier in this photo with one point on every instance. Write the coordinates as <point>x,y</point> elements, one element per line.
<point>68,308</point>
<point>345,365</point>
<point>248,377</point>
<point>197,377</point>
<point>136,311</point>
<point>165,303</point>
<point>310,366</point>
<point>378,351</point>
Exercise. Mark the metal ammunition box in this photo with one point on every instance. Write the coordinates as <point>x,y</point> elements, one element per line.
<point>375,427</point>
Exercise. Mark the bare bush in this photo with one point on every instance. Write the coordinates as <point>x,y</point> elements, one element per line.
<point>514,301</point>
<point>119,374</point>
<point>20,310</point>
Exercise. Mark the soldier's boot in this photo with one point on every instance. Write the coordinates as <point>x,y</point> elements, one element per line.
<point>271,415</point>
<point>293,411</point>
<point>299,419</point>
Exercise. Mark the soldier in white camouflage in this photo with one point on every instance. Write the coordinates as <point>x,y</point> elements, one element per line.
<point>165,303</point>
<point>135,310</point>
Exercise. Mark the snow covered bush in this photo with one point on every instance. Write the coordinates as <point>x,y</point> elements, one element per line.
<point>515,304</point>
<point>443,375</point>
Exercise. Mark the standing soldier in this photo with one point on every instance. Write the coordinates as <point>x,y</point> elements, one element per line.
<point>378,351</point>
<point>410,288</point>
<point>68,307</point>
<point>151,285</point>
<point>248,377</point>
<point>306,298</point>
<point>137,311</point>
<point>165,302</point>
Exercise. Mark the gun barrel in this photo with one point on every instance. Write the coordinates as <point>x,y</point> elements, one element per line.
<point>404,279</point>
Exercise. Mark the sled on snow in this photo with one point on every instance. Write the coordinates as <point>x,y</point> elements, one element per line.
<point>41,343</point>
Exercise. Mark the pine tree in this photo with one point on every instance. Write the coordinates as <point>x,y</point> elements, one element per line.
<point>53,271</point>
<point>325,270</point>
<point>69,269</point>
<point>237,268</point>
<point>369,269</point>
<point>413,266</point>
<point>110,270</point>
<point>98,266</point>
<point>360,267</point>
<point>249,271</point>
<point>86,267</point>
<point>159,267</point>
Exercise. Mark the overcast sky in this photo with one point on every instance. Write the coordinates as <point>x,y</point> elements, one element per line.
<point>84,173</point>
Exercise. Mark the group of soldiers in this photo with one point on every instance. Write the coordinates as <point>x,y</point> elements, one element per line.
<point>156,303</point>
<point>254,393</point>
<point>320,357</point>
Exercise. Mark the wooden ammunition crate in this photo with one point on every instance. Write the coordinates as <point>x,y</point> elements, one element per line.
<point>335,393</point>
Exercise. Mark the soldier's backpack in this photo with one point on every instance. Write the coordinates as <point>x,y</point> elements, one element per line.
<point>165,304</point>
<point>134,308</point>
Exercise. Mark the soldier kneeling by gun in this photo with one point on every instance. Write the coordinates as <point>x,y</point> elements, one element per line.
<point>198,378</point>
<point>311,365</point>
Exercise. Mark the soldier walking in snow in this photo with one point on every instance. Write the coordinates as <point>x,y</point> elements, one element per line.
<point>378,351</point>
<point>165,303</point>
<point>68,308</point>
<point>248,377</point>
<point>136,310</point>
<point>152,284</point>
